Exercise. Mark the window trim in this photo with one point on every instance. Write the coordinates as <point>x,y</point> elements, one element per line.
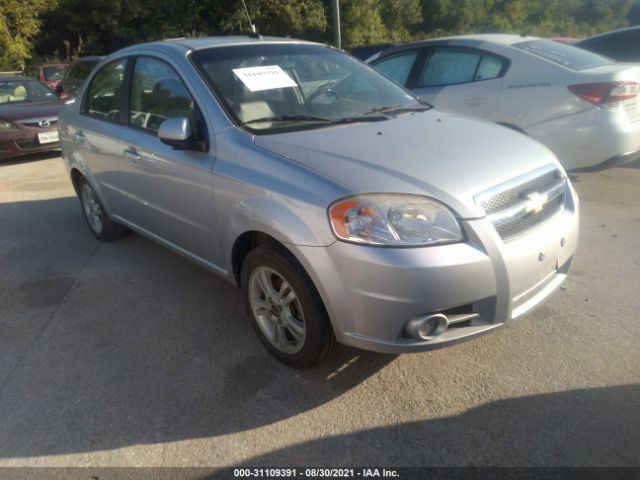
<point>84,106</point>
<point>430,50</point>
<point>127,107</point>
<point>124,118</point>
<point>416,60</point>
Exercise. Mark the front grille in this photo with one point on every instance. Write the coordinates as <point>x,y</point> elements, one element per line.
<point>39,122</point>
<point>27,144</point>
<point>520,204</point>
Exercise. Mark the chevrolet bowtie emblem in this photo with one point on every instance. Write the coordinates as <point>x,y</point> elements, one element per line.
<point>535,202</point>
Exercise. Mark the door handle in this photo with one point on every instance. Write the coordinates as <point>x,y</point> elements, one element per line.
<point>475,101</point>
<point>133,156</point>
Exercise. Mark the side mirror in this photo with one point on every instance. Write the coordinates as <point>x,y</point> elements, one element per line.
<point>177,133</point>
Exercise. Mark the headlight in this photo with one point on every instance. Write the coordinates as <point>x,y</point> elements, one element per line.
<point>4,125</point>
<point>394,220</point>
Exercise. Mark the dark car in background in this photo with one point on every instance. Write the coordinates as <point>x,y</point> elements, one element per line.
<point>49,74</point>
<point>622,45</point>
<point>367,51</point>
<point>28,117</point>
<point>75,76</point>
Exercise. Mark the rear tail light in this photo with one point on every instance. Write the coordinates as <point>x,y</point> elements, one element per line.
<point>605,92</point>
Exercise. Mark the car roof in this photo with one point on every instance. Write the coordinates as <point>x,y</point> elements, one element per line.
<point>219,41</point>
<point>612,32</point>
<point>59,64</point>
<point>17,78</point>
<point>90,58</point>
<point>501,38</point>
<point>468,40</point>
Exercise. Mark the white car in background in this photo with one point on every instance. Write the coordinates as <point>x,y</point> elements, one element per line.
<point>581,105</point>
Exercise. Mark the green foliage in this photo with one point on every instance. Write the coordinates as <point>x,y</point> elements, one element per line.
<point>295,18</point>
<point>361,23</point>
<point>81,27</point>
<point>537,17</point>
<point>19,24</point>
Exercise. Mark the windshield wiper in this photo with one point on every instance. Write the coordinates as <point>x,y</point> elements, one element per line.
<point>401,109</point>
<point>364,117</point>
<point>289,118</point>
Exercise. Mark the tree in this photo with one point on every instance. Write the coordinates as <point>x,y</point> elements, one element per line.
<point>294,18</point>
<point>402,18</point>
<point>19,25</point>
<point>361,23</point>
<point>634,14</point>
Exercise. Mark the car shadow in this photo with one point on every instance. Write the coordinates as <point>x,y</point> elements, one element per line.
<point>124,343</point>
<point>32,157</point>
<point>634,164</point>
<point>590,427</point>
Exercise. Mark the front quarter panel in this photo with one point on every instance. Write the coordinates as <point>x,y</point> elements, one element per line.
<point>261,191</point>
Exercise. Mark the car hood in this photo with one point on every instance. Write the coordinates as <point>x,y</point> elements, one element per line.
<point>441,155</point>
<point>23,110</point>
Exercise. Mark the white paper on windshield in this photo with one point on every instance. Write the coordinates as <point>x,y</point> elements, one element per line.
<point>266,77</point>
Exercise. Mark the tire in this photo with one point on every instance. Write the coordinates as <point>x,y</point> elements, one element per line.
<point>102,227</point>
<point>291,322</point>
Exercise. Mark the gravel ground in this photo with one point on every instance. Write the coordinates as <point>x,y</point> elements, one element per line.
<point>124,354</point>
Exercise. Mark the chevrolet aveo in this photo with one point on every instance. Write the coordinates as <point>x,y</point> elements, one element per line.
<point>346,210</point>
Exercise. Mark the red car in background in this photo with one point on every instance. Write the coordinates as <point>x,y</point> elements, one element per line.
<point>48,73</point>
<point>28,117</point>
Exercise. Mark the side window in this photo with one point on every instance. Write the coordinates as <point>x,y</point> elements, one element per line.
<point>446,67</point>
<point>104,92</point>
<point>157,94</point>
<point>398,67</point>
<point>32,72</point>
<point>490,67</point>
<point>82,70</point>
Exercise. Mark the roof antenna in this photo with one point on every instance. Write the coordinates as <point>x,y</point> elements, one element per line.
<point>252,27</point>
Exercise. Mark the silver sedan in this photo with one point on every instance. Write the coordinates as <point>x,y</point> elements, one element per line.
<point>346,210</point>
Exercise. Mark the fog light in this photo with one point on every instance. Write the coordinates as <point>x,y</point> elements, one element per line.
<point>427,327</point>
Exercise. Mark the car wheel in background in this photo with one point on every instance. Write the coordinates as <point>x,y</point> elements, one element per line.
<point>285,308</point>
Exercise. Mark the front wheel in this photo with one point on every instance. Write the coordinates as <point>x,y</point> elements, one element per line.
<point>285,308</point>
<point>102,227</point>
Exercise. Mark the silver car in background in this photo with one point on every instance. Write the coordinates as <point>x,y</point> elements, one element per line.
<point>584,107</point>
<point>343,208</point>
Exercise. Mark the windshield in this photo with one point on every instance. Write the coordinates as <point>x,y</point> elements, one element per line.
<point>565,55</point>
<point>53,73</point>
<point>14,91</point>
<point>282,86</point>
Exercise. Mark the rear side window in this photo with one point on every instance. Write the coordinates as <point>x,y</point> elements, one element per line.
<point>104,92</point>
<point>490,67</point>
<point>565,55</point>
<point>157,94</point>
<point>398,67</point>
<point>446,67</point>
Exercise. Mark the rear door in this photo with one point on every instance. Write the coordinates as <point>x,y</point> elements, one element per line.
<point>96,138</point>
<point>151,186</point>
<point>460,79</point>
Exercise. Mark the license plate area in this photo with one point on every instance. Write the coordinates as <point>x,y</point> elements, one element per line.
<point>533,261</point>
<point>48,137</point>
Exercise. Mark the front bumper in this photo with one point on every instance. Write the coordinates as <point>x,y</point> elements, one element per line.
<point>23,141</point>
<point>371,293</point>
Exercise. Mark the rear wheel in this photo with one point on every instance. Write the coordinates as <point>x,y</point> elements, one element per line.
<point>284,307</point>
<point>102,227</point>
